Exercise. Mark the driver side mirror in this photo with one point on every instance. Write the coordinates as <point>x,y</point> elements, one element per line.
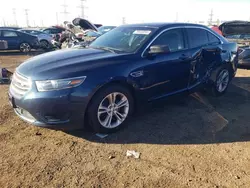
<point>159,49</point>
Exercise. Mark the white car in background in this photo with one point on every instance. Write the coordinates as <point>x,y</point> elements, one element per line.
<point>44,38</point>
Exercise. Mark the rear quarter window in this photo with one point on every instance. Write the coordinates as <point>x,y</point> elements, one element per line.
<point>197,37</point>
<point>213,39</point>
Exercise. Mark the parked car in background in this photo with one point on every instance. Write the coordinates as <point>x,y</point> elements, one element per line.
<point>54,31</point>
<point>14,28</point>
<point>239,32</point>
<point>132,64</point>
<point>216,29</point>
<point>44,38</point>
<point>98,25</point>
<point>17,40</point>
<point>105,29</point>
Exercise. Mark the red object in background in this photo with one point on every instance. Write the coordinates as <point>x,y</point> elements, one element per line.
<point>216,29</point>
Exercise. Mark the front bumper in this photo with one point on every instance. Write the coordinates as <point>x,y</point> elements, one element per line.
<point>64,109</point>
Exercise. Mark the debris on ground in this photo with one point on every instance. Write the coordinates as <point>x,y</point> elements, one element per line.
<point>132,153</point>
<point>101,135</point>
<point>5,76</point>
<point>111,157</point>
<point>38,134</point>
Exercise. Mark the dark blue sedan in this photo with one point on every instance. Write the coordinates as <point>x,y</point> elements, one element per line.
<point>132,64</point>
<point>16,40</point>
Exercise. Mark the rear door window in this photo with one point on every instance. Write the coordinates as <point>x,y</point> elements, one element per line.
<point>213,39</point>
<point>197,37</point>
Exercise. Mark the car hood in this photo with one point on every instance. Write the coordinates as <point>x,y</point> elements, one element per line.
<point>235,28</point>
<point>84,24</point>
<point>65,63</point>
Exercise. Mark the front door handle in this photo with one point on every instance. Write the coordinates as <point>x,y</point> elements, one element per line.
<point>184,57</point>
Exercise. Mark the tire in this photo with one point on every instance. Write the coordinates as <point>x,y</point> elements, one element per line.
<point>103,117</point>
<point>223,78</point>
<point>45,44</point>
<point>25,47</point>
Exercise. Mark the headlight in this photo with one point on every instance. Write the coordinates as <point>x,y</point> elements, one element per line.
<point>50,85</point>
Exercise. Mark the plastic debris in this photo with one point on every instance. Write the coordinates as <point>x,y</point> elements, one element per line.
<point>101,135</point>
<point>132,153</point>
<point>111,157</point>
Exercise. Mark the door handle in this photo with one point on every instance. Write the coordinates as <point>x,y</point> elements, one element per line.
<point>184,57</point>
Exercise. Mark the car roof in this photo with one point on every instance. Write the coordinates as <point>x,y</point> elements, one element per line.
<point>3,29</point>
<point>164,24</point>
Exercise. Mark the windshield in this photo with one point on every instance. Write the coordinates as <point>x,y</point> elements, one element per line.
<point>124,39</point>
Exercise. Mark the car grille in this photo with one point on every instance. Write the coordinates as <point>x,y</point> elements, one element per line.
<point>19,85</point>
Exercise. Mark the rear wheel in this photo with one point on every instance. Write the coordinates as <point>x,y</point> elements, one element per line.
<point>223,79</point>
<point>110,108</point>
<point>25,47</point>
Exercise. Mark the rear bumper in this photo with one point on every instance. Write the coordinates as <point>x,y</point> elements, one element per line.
<point>244,57</point>
<point>244,63</point>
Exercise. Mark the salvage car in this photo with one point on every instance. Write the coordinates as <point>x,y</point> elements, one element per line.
<point>44,38</point>
<point>239,32</point>
<point>16,40</point>
<point>101,85</point>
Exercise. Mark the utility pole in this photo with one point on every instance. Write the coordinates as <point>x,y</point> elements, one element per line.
<point>42,25</point>
<point>57,19</point>
<point>27,16</point>
<point>176,17</point>
<point>65,12</point>
<point>4,23</point>
<point>210,21</point>
<point>123,20</point>
<point>14,16</point>
<point>82,7</point>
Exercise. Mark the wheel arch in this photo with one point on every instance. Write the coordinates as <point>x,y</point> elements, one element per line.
<point>215,72</point>
<point>117,81</point>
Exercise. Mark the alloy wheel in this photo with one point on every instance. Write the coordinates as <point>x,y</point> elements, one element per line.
<point>113,110</point>
<point>222,81</point>
<point>25,47</point>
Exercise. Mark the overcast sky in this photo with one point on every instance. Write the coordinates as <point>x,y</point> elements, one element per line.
<point>111,12</point>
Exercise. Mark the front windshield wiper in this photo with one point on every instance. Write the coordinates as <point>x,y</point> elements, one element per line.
<point>113,50</point>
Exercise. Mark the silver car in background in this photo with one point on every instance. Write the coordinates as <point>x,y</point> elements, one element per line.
<point>44,38</point>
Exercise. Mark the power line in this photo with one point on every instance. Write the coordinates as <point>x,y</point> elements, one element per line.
<point>27,16</point>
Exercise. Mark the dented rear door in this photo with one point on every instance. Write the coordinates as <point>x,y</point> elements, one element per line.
<point>205,50</point>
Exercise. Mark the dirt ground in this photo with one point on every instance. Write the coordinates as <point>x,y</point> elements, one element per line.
<point>198,141</point>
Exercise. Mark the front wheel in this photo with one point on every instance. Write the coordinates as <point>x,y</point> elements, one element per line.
<point>45,44</point>
<point>110,108</point>
<point>223,79</point>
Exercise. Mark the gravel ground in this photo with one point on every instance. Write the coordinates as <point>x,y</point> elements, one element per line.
<point>196,141</point>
